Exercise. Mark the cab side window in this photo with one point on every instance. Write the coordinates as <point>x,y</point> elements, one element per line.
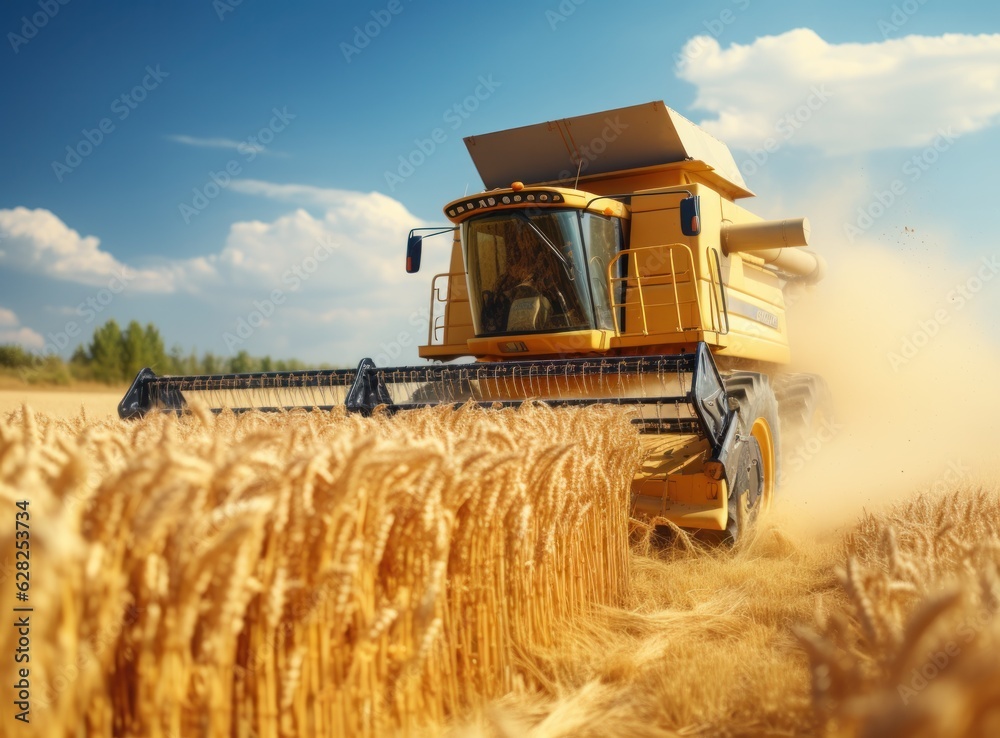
<point>604,238</point>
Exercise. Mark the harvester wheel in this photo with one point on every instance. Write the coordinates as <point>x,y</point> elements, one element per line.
<point>804,404</point>
<point>756,458</point>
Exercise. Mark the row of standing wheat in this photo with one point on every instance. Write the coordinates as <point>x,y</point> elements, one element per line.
<point>912,648</point>
<point>306,574</point>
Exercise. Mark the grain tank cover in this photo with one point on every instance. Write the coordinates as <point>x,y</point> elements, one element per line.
<point>635,137</point>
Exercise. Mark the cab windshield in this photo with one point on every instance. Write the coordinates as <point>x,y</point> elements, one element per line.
<point>529,271</point>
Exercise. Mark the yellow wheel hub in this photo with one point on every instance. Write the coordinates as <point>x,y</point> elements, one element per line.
<point>761,431</point>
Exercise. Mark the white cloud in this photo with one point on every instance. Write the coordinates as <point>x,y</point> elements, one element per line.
<point>11,331</point>
<point>347,201</point>
<point>367,231</point>
<point>38,242</point>
<point>896,93</point>
<point>337,258</point>
<point>364,232</point>
<point>218,143</point>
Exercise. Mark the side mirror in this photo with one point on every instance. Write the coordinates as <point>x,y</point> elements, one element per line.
<point>414,246</point>
<point>691,215</point>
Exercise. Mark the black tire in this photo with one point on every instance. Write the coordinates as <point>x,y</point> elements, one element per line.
<point>755,459</point>
<point>804,403</point>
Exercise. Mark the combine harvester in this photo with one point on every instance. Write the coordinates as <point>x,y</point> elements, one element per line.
<point>605,262</point>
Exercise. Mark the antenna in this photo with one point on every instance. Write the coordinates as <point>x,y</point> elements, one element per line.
<point>579,168</point>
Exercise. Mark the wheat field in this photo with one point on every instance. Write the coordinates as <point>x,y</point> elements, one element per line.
<point>467,573</point>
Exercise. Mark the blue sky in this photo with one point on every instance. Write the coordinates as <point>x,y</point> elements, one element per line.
<point>181,162</point>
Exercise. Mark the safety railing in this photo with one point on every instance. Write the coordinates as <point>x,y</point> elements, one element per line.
<point>439,307</point>
<point>665,273</point>
<point>720,308</point>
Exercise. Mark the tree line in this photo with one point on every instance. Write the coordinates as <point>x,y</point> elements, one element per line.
<point>114,356</point>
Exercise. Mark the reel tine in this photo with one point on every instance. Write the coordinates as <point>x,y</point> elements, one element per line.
<point>668,383</point>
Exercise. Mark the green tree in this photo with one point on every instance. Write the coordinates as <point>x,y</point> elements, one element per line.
<point>80,366</point>
<point>176,361</point>
<point>156,355</point>
<point>80,356</point>
<point>135,351</point>
<point>14,356</point>
<point>106,353</point>
<point>241,363</point>
<point>210,364</point>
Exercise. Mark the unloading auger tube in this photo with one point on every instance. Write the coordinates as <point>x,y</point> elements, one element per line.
<point>675,394</point>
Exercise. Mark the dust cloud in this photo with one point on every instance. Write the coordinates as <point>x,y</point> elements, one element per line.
<point>898,335</point>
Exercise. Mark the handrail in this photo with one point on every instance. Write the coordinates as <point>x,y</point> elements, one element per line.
<point>674,278</point>
<point>434,323</point>
<point>718,292</point>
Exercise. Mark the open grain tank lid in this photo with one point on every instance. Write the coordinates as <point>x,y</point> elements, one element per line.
<point>636,137</point>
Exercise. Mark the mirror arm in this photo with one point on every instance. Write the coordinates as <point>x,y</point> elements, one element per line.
<point>414,245</point>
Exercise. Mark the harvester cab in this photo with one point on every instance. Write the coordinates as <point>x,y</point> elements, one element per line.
<point>607,261</point>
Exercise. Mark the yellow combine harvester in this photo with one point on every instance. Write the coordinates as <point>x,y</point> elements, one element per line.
<point>605,262</point>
